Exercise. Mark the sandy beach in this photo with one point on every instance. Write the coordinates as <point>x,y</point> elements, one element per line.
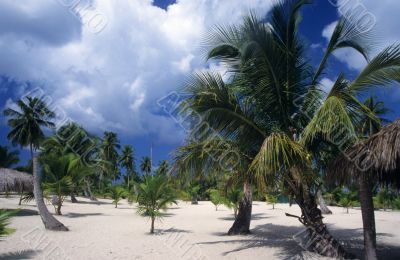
<point>100,231</point>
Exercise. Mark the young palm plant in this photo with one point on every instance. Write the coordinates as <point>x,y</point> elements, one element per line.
<point>58,172</point>
<point>232,199</point>
<point>117,194</point>
<point>154,196</point>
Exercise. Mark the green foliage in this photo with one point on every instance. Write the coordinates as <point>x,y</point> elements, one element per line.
<point>232,199</point>
<point>26,122</point>
<point>58,176</point>
<point>145,165</point>
<point>385,199</point>
<point>272,199</point>
<point>216,198</point>
<point>5,216</point>
<point>348,200</point>
<point>117,193</point>
<point>154,196</point>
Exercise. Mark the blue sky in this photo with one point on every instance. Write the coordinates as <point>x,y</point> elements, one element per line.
<point>106,66</point>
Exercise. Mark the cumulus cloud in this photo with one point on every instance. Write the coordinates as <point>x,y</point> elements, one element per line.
<point>111,79</point>
<point>374,15</point>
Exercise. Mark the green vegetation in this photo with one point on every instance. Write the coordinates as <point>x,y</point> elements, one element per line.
<point>5,216</point>
<point>154,196</point>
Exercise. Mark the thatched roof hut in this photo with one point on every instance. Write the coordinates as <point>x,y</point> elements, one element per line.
<point>12,180</point>
<point>378,155</point>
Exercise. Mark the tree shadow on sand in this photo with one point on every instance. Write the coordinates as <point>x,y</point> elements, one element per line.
<point>79,215</point>
<point>281,237</point>
<point>24,254</point>
<point>253,217</point>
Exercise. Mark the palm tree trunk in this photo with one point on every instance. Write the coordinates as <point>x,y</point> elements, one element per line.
<point>242,221</point>
<point>152,225</point>
<point>194,200</point>
<point>322,205</point>
<point>73,198</point>
<point>89,191</point>
<point>368,217</point>
<point>48,220</point>
<point>317,239</point>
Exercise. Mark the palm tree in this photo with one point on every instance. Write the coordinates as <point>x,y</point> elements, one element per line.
<point>26,130</point>
<point>145,165</point>
<point>110,148</point>
<point>273,105</point>
<point>163,168</point>
<point>117,193</point>
<point>58,175</point>
<point>233,198</point>
<point>127,160</point>
<point>8,158</point>
<point>74,139</point>
<point>154,195</point>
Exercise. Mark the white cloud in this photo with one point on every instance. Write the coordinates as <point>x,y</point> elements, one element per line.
<point>382,14</point>
<point>326,85</point>
<point>112,79</point>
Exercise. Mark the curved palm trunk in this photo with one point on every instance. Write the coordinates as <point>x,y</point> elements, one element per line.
<point>48,220</point>
<point>322,205</point>
<point>316,238</point>
<point>368,217</point>
<point>89,191</point>
<point>242,221</point>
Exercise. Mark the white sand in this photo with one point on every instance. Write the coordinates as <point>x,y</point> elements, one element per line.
<point>100,231</point>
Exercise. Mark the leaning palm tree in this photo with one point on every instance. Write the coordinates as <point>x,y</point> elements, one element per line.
<point>145,165</point>
<point>154,195</point>
<point>127,160</point>
<point>26,124</point>
<point>8,158</point>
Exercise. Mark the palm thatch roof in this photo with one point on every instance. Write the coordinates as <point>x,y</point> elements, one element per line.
<point>378,155</point>
<point>12,180</point>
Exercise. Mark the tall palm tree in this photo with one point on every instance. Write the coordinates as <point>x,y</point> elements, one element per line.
<point>368,126</point>
<point>8,158</point>
<point>163,168</point>
<point>145,165</point>
<point>26,124</point>
<point>127,160</point>
<point>110,148</point>
<point>273,104</point>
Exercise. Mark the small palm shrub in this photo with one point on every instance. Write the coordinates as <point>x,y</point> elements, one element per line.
<point>216,198</point>
<point>5,216</point>
<point>384,199</point>
<point>193,191</point>
<point>271,199</point>
<point>57,178</point>
<point>117,193</point>
<point>233,198</point>
<point>154,196</point>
